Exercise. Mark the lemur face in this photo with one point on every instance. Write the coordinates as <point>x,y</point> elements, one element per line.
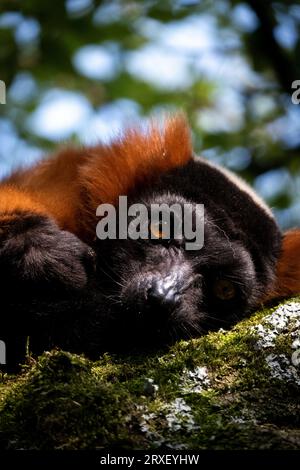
<point>163,291</point>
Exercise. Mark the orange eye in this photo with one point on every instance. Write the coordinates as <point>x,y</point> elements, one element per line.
<point>224,289</point>
<point>159,230</point>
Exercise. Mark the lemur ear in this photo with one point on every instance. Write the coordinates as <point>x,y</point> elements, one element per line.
<point>287,281</point>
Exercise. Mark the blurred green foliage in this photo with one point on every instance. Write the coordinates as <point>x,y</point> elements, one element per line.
<point>265,35</point>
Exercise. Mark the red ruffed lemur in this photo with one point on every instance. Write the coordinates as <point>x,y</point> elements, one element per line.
<point>62,286</point>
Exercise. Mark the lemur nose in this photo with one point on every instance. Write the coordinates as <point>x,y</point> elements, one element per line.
<point>162,293</point>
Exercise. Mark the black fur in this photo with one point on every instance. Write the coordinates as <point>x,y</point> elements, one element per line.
<point>143,293</point>
<point>242,244</point>
<point>34,250</point>
<point>41,267</point>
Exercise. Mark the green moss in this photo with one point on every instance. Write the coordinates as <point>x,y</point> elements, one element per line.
<point>215,392</point>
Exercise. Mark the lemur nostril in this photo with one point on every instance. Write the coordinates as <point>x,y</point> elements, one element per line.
<point>163,294</point>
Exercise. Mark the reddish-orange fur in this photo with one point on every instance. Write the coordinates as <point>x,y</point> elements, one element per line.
<point>114,170</point>
<point>288,267</point>
<point>53,184</point>
<point>70,185</point>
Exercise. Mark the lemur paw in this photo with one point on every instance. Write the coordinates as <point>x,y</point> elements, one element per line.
<point>34,250</point>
